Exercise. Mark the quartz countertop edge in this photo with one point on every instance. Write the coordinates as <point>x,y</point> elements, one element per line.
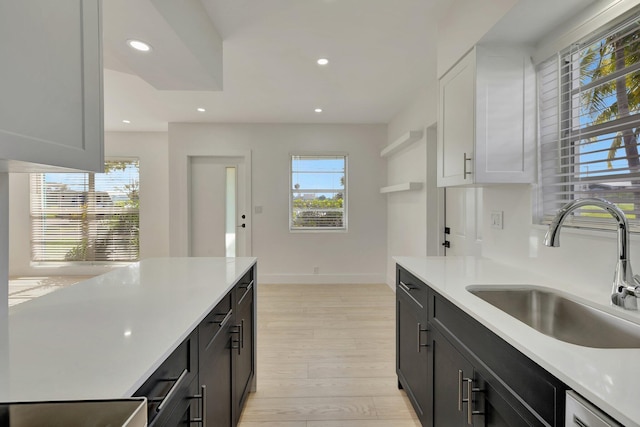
<point>103,337</point>
<point>606,377</point>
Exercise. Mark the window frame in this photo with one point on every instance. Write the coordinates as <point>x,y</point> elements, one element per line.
<point>345,192</point>
<point>566,177</point>
<point>79,263</point>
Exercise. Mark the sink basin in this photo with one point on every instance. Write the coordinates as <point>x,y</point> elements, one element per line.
<point>561,317</point>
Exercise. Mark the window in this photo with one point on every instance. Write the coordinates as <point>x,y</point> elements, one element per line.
<point>86,216</point>
<point>318,192</point>
<point>589,99</point>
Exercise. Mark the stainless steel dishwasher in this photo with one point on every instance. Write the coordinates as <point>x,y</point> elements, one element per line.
<point>581,413</point>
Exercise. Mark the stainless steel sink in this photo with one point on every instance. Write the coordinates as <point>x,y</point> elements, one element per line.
<point>561,317</point>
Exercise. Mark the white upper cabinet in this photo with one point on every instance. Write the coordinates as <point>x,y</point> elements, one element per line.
<point>486,119</point>
<point>51,112</point>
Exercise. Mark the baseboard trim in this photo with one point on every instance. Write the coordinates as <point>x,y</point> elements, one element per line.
<point>320,279</point>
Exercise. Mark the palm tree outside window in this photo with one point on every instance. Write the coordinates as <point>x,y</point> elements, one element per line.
<point>589,99</point>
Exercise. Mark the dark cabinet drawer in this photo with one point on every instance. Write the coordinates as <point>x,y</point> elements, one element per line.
<point>171,379</point>
<point>215,322</point>
<point>411,286</point>
<point>244,287</point>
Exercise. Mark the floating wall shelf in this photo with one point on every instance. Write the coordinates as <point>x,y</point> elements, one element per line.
<point>405,140</point>
<point>407,186</point>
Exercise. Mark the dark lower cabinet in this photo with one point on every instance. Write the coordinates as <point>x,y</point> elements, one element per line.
<point>243,345</point>
<point>206,380</point>
<point>467,375</point>
<point>215,368</point>
<point>412,351</point>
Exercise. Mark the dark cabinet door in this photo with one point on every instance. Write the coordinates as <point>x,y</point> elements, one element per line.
<point>215,373</point>
<point>412,352</point>
<point>243,347</point>
<point>451,375</point>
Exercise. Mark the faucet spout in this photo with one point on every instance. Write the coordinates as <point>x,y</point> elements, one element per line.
<point>626,286</point>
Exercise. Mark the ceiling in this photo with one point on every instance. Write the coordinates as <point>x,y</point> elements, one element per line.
<point>254,61</point>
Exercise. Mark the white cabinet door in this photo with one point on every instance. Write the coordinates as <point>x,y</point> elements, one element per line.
<point>456,123</point>
<point>51,85</point>
<point>486,119</point>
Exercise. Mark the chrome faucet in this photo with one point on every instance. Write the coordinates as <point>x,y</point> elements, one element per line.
<point>626,286</point>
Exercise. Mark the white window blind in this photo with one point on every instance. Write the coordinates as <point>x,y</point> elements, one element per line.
<point>589,99</point>
<point>86,216</point>
<point>318,192</point>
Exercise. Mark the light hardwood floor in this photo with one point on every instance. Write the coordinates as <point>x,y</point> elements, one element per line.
<point>326,358</point>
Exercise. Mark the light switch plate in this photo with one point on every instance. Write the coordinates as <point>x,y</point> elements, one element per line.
<point>496,219</point>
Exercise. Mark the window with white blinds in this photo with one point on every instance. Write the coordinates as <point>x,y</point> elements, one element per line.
<point>589,99</point>
<point>318,192</point>
<point>86,216</point>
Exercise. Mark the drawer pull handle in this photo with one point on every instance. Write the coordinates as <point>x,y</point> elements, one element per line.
<point>247,287</point>
<point>246,292</point>
<point>173,389</point>
<point>224,320</point>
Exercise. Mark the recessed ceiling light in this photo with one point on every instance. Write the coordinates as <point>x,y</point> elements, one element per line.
<point>202,110</point>
<point>322,61</point>
<point>139,45</point>
<point>318,110</point>
<point>126,121</point>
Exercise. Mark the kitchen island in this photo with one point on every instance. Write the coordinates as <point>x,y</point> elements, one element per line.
<point>104,337</point>
<point>607,377</point>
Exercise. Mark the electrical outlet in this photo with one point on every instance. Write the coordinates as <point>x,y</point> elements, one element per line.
<point>316,270</point>
<point>496,220</point>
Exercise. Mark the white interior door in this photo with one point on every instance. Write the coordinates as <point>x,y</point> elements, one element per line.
<point>463,219</point>
<point>219,223</point>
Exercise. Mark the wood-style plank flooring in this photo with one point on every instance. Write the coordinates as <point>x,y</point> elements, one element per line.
<point>326,358</point>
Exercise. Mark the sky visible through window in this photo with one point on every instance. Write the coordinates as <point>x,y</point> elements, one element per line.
<point>318,173</point>
<point>114,186</point>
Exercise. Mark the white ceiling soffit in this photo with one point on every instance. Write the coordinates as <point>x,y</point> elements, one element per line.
<point>381,53</point>
<point>528,21</point>
<point>186,47</point>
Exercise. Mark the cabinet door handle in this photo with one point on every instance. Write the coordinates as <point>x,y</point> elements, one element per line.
<point>466,159</point>
<point>172,390</point>
<point>239,330</point>
<point>420,330</point>
<point>242,333</point>
<point>203,408</point>
<point>460,397</point>
<point>470,391</point>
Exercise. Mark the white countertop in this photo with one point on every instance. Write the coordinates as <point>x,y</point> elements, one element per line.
<point>103,337</point>
<point>609,378</point>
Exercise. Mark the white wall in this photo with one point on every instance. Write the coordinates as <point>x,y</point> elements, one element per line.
<point>463,25</point>
<point>151,148</point>
<point>407,216</point>
<point>356,256</point>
